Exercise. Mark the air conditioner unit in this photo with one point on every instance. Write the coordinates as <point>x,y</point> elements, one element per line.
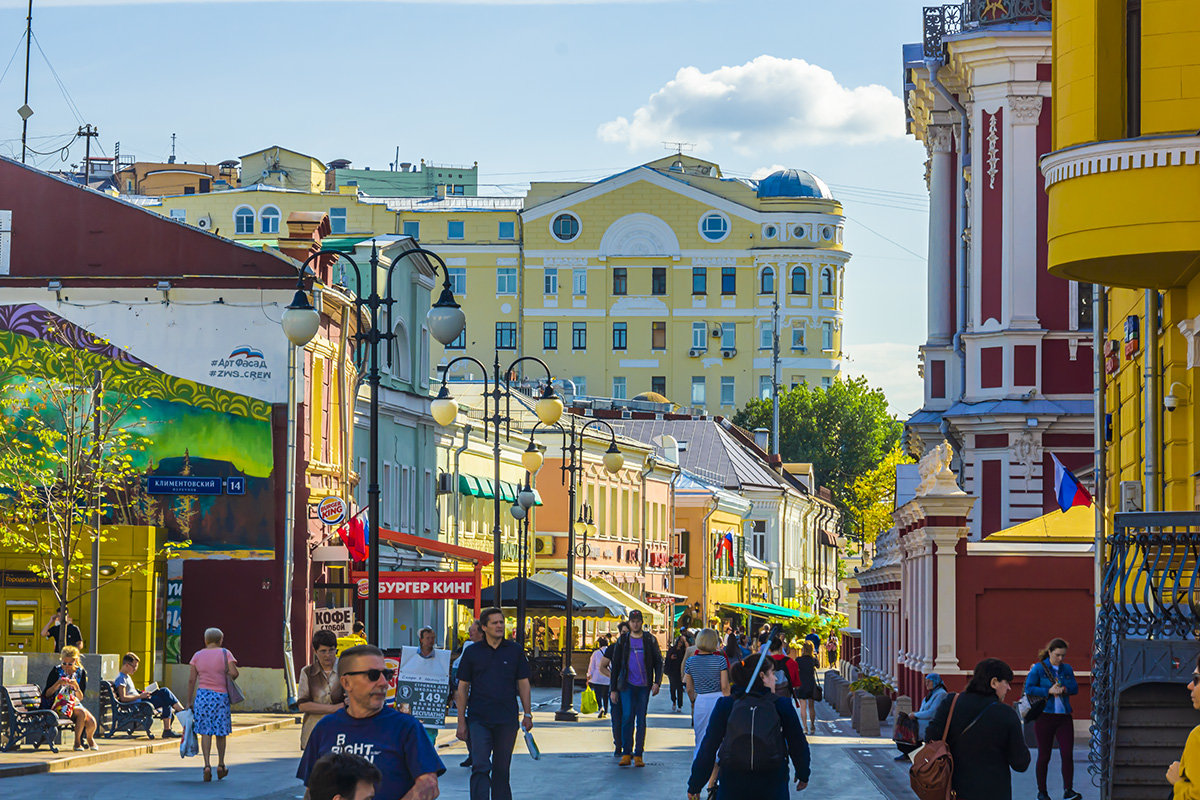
<point>543,545</point>
<point>626,413</point>
<point>1131,496</point>
<point>205,223</point>
<point>715,330</point>
<point>728,352</point>
<point>445,483</point>
<point>696,352</point>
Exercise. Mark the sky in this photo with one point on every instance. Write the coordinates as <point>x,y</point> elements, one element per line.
<point>530,89</point>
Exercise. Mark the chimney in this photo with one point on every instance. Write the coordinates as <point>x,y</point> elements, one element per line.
<point>762,438</point>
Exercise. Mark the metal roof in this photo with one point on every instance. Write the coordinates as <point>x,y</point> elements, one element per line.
<point>706,449</point>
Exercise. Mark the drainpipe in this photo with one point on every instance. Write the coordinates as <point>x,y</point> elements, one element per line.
<point>933,65</point>
<point>704,557</point>
<point>1150,391</point>
<point>1099,333</point>
<point>457,519</point>
<point>289,525</point>
<point>647,468</point>
<point>671,532</point>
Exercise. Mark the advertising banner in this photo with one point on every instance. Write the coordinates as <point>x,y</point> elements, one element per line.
<point>338,620</point>
<point>420,585</point>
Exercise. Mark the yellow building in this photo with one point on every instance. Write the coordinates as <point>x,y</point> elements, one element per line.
<point>1124,211</point>
<point>287,169</point>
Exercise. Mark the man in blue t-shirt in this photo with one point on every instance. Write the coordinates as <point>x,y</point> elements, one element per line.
<point>394,742</point>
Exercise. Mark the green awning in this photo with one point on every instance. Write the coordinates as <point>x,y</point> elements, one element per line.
<point>469,485</point>
<point>537,498</point>
<point>486,487</point>
<point>766,610</point>
<point>507,492</point>
<point>342,244</point>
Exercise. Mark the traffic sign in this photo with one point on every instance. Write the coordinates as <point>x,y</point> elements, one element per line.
<point>235,485</point>
<point>182,484</point>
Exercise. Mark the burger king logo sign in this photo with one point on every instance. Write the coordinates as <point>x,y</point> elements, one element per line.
<point>364,587</point>
<point>332,511</point>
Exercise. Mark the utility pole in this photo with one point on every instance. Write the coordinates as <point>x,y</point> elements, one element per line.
<point>87,132</point>
<point>775,369</point>
<point>171,160</point>
<point>97,401</point>
<point>25,111</point>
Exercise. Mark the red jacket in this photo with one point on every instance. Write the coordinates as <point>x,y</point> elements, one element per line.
<point>793,673</point>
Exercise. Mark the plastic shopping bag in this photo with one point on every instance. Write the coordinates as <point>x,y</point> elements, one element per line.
<point>587,702</point>
<point>189,744</point>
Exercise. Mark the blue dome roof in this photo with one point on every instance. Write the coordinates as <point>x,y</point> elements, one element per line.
<point>793,183</point>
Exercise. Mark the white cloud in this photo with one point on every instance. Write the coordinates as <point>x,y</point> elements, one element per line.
<point>891,366</point>
<point>772,102</point>
<point>763,172</point>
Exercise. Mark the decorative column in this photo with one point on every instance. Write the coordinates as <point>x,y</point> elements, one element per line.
<point>1020,209</point>
<point>942,237</point>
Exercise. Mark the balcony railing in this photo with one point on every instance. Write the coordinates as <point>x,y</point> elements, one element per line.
<point>1149,598</point>
<point>947,20</point>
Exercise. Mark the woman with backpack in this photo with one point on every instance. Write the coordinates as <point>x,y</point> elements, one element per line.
<point>1051,678</point>
<point>755,734</point>
<point>982,734</point>
<point>787,676</point>
<point>706,677</point>
<point>806,686</point>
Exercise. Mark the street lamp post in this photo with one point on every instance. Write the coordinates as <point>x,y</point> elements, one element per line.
<point>300,322</point>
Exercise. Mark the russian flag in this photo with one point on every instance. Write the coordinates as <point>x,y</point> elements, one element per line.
<point>356,535</point>
<point>1067,488</point>
<point>727,543</point>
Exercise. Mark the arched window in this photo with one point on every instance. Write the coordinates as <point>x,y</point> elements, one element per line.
<point>767,281</point>
<point>826,282</point>
<point>243,219</point>
<point>270,219</point>
<point>799,280</point>
<point>402,357</point>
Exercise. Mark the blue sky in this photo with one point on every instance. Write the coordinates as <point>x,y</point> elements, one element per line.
<point>531,90</point>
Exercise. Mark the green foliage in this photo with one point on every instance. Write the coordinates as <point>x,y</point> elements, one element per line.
<point>872,684</point>
<point>845,431</point>
<point>873,496</point>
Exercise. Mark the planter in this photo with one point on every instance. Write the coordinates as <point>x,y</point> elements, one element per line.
<point>884,703</point>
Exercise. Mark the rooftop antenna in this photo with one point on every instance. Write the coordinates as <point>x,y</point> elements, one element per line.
<point>679,147</point>
<point>171,160</point>
<point>25,111</point>
<point>396,163</point>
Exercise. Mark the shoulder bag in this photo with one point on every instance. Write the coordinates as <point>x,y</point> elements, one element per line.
<point>231,687</point>
<point>1030,708</point>
<point>932,772</point>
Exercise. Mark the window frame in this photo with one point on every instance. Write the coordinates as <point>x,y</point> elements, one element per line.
<point>579,281</point>
<point>702,274</point>
<point>730,274</point>
<point>623,394</point>
<point>509,331</point>
<point>458,280</point>
<point>335,218</point>
<point>728,382</point>
<point>509,276</point>
<point>416,225</point>
<point>698,382</point>
<point>550,336</point>
<point>264,214</point>
<point>731,342</point>
<point>550,281</point>
<point>249,217</point>
<point>658,280</point>
<point>827,282</point>
<point>799,333</point>
<point>767,273</point>
<point>718,215</point>
<point>620,281</point>
<point>702,329</point>
<point>620,336</point>
<point>578,337</point>
<point>512,230</point>
<point>460,342</point>
<point>658,383</point>
<point>561,215</point>
<point>462,230</point>
<point>658,329</point>
<point>827,336</point>
<point>798,271</point>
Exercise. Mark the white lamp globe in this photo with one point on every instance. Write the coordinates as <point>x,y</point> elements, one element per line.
<point>445,319</point>
<point>300,320</point>
<point>445,408</point>
<point>517,512</point>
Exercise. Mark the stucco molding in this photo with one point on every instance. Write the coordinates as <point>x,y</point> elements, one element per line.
<point>639,234</point>
<point>1026,110</point>
<point>1119,156</point>
<point>1190,328</point>
<point>939,139</point>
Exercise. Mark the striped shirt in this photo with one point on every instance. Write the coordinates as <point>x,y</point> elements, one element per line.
<point>706,669</point>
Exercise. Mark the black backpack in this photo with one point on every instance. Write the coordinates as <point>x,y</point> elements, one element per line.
<point>753,735</point>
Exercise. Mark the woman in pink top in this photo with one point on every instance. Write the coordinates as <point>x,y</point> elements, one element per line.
<point>208,694</point>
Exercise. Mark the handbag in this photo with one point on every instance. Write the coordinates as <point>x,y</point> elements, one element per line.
<point>1030,708</point>
<point>906,730</point>
<point>64,702</point>
<point>587,702</point>
<point>231,687</point>
<point>818,693</point>
<point>932,772</point>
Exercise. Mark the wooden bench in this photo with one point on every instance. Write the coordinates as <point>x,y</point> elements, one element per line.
<point>128,718</point>
<point>25,722</point>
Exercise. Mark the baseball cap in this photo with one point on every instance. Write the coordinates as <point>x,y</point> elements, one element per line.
<point>635,614</point>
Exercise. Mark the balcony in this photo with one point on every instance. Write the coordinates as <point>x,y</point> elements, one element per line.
<point>950,20</point>
<point>1125,212</point>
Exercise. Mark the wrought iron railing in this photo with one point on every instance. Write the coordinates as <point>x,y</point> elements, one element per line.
<point>947,20</point>
<point>1149,596</point>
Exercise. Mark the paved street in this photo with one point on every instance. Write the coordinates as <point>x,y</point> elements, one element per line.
<point>576,758</point>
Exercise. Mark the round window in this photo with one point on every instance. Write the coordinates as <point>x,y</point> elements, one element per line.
<point>565,227</point>
<point>826,232</point>
<point>714,227</point>
<point>799,232</point>
<point>770,231</point>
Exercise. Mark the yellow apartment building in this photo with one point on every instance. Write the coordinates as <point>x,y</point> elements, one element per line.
<point>1124,211</point>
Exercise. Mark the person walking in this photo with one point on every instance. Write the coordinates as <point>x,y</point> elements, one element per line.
<point>63,695</point>
<point>706,677</point>
<point>597,680</point>
<point>755,732</point>
<point>492,675</point>
<point>208,697</point>
<point>53,630</point>
<point>831,649</point>
<point>806,686</point>
<point>393,741</point>
<point>1051,677</point>
<point>163,699</point>
<point>474,636</point>
<point>787,677</point>
<point>636,669</point>
<point>984,735</point>
<point>614,714</point>
<point>673,669</point>
<point>935,693</point>
<point>319,692</point>
<point>1184,774</point>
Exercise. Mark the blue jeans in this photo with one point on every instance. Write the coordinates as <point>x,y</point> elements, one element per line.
<point>491,748</point>
<point>614,716</point>
<point>163,700</point>
<point>634,700</point>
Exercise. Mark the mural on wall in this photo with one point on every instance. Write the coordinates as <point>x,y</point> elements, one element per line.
<point>191,430</point>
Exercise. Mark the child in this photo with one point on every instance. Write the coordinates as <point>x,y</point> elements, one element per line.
<point>343,776</point>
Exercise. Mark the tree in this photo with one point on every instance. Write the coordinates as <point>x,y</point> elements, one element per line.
<point>844,430</point>
<point>67,452</point>
<point>873,496</point>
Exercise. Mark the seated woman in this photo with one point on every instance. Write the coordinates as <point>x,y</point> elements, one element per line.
<point>935,693</point>
<point>63,694</point>
<point>163,699</point>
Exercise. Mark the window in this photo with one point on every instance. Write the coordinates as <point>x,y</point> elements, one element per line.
<point>412,228</point>
<point>619,335</point>
<point>579,336</point>
<point>826,382</point>
<point>799,280</point>
<point>178,214</point>
<point>658,383</point>
<point>714,226</point>
<point>758,539</point>
<point>506,280</point>
<point>697,390</point>
<point>658,280</point>
<point>580,382</point>
<point>618,388</point>
<point>798,339</point>
<point>766,337</point>
<point>460,343</point>
<point>550,282</point>
<point>827,335</point>
<point>727,390</point>
<point>243,220</point>
<point>620,280</point>
<point>826,282</point>
<point>764,387</point>
<point>402,357</point>
<point>767,281</point>
<point>658,336</point>
<point>699,336</point>
<point>565,227</point>
<point>1083,306</point>
<point>728,336</point>
<point>506,336</point>
<point>458,280</point>
<point>337,220</point>
<point>457,188</point>
<point>270,219</point>
<point>455,229</point>
<point>579,280</point>
<point>549,335</point>
<point>699,280</point>
<point>507,230</point>
<point>728,280</point>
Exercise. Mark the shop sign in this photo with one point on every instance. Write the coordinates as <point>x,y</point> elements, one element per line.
<point>420,585</point>
<point>1132,336</point>
<point>332,510</point>
<point>338,620</point>
<point>22,579</point>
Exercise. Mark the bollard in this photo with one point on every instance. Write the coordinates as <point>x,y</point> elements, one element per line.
<point>868,715</point>
<point>855,709</point>
<point>903,705</point>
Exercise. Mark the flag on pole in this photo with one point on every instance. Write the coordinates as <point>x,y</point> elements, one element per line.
<point>355,534</point>
<point>1067,488</point>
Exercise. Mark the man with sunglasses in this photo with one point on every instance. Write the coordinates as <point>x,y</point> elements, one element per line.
<point>491,676</point>
<point>394,742</point>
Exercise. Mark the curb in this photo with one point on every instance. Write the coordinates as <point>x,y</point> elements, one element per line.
<point>157,746</point>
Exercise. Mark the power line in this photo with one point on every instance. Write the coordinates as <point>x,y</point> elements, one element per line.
<point>62,87</point>
<point>12,58</point>
<point>885,238</point>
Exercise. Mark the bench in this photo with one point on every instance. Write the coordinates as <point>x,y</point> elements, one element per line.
<point>128,718</point>
<point>25,722</point>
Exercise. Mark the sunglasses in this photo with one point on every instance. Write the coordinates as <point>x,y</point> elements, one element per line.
<point>374,674</point>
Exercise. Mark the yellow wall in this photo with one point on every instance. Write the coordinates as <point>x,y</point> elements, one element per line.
<point>284,168</point>
<point>1170,66</point>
